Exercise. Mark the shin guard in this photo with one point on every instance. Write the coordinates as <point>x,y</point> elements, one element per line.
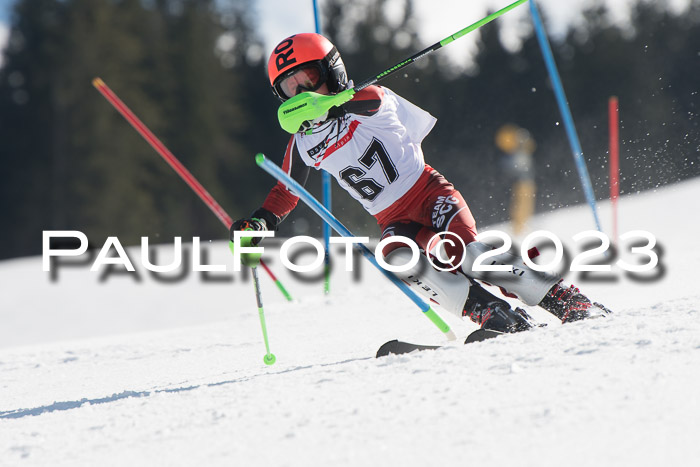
<point>528,285</point>
<point>448,290</point>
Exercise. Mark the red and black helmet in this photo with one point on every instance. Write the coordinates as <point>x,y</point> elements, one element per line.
<point>306,51</point>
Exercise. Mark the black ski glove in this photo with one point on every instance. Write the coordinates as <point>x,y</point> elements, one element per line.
<point>260,220</point>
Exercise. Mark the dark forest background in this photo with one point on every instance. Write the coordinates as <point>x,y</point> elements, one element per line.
<point>194,72</point>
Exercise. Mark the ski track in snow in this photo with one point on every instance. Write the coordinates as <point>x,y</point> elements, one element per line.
<point>81,386</point>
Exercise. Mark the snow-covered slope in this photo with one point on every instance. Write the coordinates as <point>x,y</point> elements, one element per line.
<point>125,372</point>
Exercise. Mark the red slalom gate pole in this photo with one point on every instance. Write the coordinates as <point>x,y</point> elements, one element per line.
<point>170,158</point>
<point>614,122</point>
<point>163,151</point>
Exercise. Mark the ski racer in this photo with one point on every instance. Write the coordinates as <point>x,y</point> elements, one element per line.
<point>372,146</point>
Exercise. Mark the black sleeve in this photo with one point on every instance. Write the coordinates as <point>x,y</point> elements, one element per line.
<point>366,102</point>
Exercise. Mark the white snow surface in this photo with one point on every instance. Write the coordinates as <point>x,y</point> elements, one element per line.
<point>122,372</point>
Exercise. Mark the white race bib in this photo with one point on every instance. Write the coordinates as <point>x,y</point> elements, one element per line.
<point>376,158</point>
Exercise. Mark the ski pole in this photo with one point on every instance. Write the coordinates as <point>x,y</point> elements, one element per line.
<point>269,357</point>
<point>310,105</point>
<point>252,260</point>
<point>318,208</point>
<point>175,164</point>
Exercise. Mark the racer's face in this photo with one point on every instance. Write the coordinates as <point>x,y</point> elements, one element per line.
<point>307,78</point>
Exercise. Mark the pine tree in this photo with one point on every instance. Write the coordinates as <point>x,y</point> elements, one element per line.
<point>31,169</point>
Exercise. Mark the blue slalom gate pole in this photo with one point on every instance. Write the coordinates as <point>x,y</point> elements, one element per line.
<point>318,208</point>
<point>565,111</point>
<point>326,192</point>
<point>317,17</point>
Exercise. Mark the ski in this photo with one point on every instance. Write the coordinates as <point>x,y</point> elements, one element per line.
<point>397,347</point>
<point>481,335</point>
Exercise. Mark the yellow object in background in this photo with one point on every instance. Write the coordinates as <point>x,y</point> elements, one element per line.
<point>522,204</point>
<point>518,166</point>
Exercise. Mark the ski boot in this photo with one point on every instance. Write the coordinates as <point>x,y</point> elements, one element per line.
<point>493,313</point>
<point>569,304</point>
